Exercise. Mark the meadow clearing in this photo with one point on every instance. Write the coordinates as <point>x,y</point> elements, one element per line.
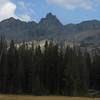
<point>17,97</point>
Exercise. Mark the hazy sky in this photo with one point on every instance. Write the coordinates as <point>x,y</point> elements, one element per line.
<point>67,11</point>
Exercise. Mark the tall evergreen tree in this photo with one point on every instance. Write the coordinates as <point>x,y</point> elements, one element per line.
<point>12,70</point>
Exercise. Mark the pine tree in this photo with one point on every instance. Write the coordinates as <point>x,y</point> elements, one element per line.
<point>3,64</point>
<point>12,57</point>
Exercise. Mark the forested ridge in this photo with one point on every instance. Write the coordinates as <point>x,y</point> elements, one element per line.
<point>53,70</point>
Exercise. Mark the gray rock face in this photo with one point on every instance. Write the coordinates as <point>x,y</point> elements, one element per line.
<point>49,27</point>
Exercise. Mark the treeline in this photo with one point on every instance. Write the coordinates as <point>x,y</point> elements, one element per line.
<point>48,71</point>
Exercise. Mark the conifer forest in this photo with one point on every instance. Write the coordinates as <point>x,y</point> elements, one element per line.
<point>53,70</point>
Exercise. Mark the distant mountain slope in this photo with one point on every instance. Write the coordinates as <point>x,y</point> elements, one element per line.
<point>83,26</point>
<point>17,30</point>
<point>50,27</point>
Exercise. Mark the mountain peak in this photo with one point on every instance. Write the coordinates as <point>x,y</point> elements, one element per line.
<point>50,19</point>
<point>50,15</point>
<point>10,20</point>
<point>50,25</point>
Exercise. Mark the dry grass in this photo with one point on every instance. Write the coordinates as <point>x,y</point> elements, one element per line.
<point>13,97</point>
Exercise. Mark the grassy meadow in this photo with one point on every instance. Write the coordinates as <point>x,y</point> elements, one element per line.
<point>17,97</point>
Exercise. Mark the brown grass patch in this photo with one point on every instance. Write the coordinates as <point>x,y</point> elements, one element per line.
<point>17,97</point>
